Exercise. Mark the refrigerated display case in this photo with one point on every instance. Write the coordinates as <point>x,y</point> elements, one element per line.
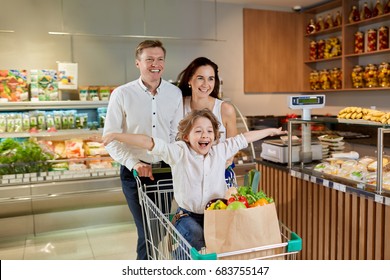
<point>79,181</point>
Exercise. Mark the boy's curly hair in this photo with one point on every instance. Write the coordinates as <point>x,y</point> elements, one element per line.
<point>187,123</point>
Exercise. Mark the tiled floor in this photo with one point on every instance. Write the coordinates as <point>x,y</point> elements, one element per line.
<point>110,242</point>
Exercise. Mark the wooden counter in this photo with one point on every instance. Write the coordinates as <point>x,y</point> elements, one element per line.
<point>333,225</point>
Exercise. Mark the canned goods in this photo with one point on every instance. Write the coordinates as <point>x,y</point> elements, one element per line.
<point>357,77</point>
<point>359,42</point>
<point>314,80</point>
<point>321,49</point>
<point>335,78</point>
<point>384,75</point>
<point>371,75</point>
<point>371,40</point>
<point>313,50</point>
<point>383,38</point>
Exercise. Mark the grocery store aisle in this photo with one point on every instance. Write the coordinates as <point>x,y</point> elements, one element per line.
<point>109,242</point>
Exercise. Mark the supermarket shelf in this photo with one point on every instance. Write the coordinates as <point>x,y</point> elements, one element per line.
<point>57,105</point>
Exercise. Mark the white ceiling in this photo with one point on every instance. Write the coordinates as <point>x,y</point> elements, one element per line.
<point>276,3</point>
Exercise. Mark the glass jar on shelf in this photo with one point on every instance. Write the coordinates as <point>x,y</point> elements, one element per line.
<point>335,78</point>
<point>384,74</point>
<point>357,77</point>
<point>371,40</point>
<point>321,49</point>
<point>313,50</point>
<point>359,42</point>
<point>325,79</point>
<point>314,80</point>
<point>383,38</point>
<point>371,75</point>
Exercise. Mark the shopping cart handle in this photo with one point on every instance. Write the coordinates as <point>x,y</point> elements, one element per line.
<point>135,173</point>
<point>195,255</point>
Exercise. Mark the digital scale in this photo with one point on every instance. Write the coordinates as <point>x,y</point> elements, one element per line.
<point>306,150</point>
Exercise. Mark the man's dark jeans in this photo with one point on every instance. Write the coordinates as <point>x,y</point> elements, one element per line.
<point>130,190</point>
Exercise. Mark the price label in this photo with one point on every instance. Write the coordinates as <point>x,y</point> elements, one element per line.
<point>378,198</point>
<point>306,177</point>
<point>325,183</point>
<point>342,188</point>
<point>360,186</point>
<point>336,186</point>
<point>387,201</point>
<point>313,179</point>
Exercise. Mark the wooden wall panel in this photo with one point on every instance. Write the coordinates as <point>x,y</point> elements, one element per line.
<point>272,51</point>
<point>332,224</point>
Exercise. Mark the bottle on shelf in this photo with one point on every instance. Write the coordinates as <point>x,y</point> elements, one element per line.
<point>313,50</point>
<point>314,80</point>
<point>320,25</point>
<point>328,22</point>
<point>354,15</point>
<point>324,79</point>
<point>311,27</point>
<point>365,12</point>
<point>338,19</point>
<point>378,9</point>
<point>335,78</point>
<point>386,8</point>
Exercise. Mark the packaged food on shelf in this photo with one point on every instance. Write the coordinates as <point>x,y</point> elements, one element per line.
<point>320,25</point>
<point>311,27</point>
<point>336,78</point>
<point>359,42</point>
<point>371,75</point>
<point>338,19</point>
<point>13,85</point>
<point>378,9</point>
<point>325,79</point>
<point>328,22</point>
<point>44,85</point>
<point>383,38</point>
<point>314,80</point>
<point>371,40</point>
<point>321,49</point>
<point>384,75</point>
<point>83,93</point>
<point>365,12</point>
<point>354,15</point>
<point>332,47</point>
<point>313,50</point>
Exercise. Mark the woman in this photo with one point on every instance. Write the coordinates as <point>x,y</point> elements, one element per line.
<point>199,84</point>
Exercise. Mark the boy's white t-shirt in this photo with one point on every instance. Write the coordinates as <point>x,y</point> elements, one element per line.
<point>196,178</point>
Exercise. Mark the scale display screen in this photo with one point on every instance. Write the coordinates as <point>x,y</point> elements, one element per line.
<point>307,101</point>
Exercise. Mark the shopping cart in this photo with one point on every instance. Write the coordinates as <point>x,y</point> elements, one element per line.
<point>164,242</point>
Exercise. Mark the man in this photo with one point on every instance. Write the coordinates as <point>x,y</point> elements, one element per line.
<point>148,105</point>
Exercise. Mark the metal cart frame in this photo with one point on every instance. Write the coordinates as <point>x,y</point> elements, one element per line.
<point>164,242</point>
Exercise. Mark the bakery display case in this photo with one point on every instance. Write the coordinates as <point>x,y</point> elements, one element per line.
<point>356,155</point>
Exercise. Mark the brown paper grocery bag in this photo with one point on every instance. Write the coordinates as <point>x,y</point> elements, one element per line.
<point>232,230</point>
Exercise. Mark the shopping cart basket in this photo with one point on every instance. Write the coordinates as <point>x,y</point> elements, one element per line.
<point>164,242</point>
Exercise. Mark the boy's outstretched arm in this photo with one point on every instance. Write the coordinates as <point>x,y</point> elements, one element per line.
<point>254,135</point>
<point>138,140</point>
